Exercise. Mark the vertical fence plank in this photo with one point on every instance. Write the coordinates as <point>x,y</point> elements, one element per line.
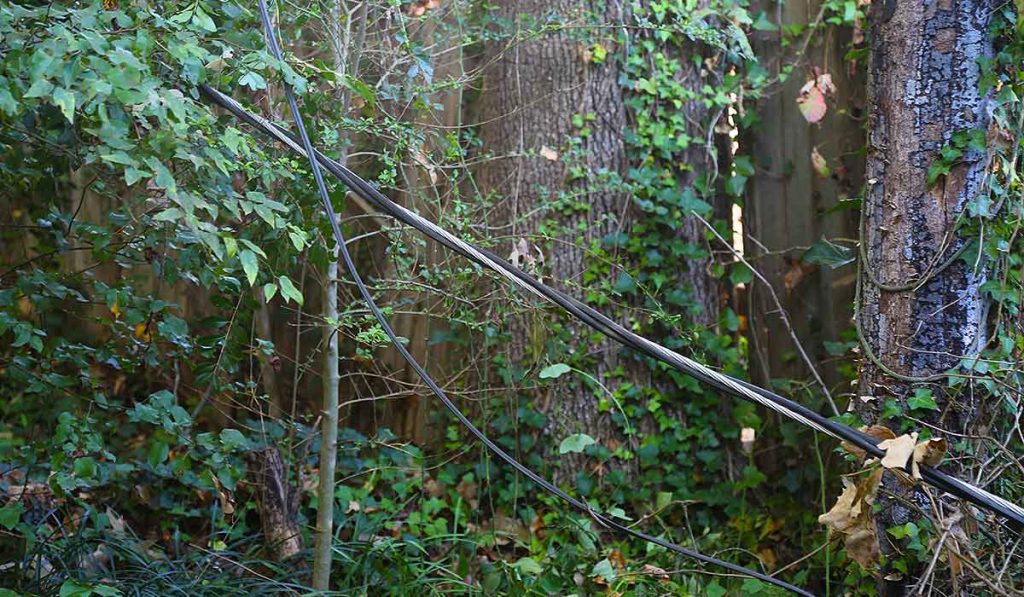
<point>789,205</point>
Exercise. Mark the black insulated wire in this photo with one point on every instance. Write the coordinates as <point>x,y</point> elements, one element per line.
<point>934,477</point>
<point>382,320</point>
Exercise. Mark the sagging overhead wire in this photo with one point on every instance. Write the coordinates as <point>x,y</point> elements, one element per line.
<point>339,238</point>
<point>795,411</point>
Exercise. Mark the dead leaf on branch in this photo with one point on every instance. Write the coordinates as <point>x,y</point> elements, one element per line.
<point>930,452</point>
<point>879,432</point>
<point>659,573</point>
<point>898,451</point>
<point>419,156</point>
<point>862,547</point>
<point>811,99</point>
<point>851,517</point>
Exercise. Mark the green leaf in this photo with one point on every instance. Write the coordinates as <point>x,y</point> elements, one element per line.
<point>70,588</point>
<point>171,214</point>
<point>891,409</point>
<point>39,88</point>
<point>288,290</point>
<point>922,400</point>
<point>554,371</point>
<point>232,438</point>
<point>714,589</point>
<point>825,252</point>
<point>10,515</point>
<point>625,284</point>
<point>298,239</point>
<point>575,443</point>
<point>164,179</point>
<point>65,100</point>
<point>528,567</point>
<point>85,468</point>
<point>605,570</point>
<point>253,80</point>
<point>250,264</point>
<point>134,175</point>
<point>269,290</point>
<point>739,273</point>
<point>158,452</point>
<point>119,157</point>
<point>253,247</point>
<point>203,20</point>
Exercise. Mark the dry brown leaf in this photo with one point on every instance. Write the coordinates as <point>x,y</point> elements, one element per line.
<point>795,272</point>
<point>852,518</point>
<point>420,157</point>
<point>843,516</point>
<point>899,450</point>
<point>467,489</point>
<point>928,452</point>
<point>434,488</point>
<point>507,529</point>
<point>862,546</point>
<point>879,432</point>
<point>353,506</point>
<point>117,524</point>
<point>655,571</point>
<point>548,153</point>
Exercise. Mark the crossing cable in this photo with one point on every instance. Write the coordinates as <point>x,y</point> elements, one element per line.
<point>588,315</point>
<point>339,238</point>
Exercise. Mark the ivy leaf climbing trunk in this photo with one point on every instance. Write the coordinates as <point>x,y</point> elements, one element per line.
<point>921,311</point>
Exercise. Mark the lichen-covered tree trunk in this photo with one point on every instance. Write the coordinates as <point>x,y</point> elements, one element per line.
<point>533,88</point>
<point>919,316</point>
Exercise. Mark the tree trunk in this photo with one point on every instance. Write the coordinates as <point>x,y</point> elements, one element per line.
<point>532,89</point>
<point>919,316</point>
<point>554,201</point>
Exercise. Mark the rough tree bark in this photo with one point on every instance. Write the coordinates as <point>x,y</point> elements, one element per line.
<point>918,318</point>
<point>532,89</point>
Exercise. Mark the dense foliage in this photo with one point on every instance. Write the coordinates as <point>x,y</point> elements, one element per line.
<point>149,239</point>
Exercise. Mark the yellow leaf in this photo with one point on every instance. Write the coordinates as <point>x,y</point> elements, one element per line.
<point>142,331</point>
<point>25,308</point>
